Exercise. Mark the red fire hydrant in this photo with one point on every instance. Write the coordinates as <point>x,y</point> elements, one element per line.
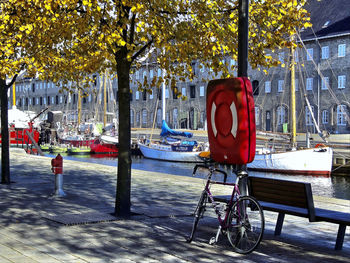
<point>57,169</point>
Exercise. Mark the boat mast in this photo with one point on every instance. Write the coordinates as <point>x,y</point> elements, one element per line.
<point>292,97</point>
<point>163,96</point>
<point>79,107</point>
<point>104,100</point>
<point>14,95</point>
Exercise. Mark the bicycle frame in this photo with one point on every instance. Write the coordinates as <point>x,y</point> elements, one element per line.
<point>234,196</point>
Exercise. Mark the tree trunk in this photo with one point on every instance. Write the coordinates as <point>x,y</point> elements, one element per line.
<point>5,151</point>
<point>123,204</point>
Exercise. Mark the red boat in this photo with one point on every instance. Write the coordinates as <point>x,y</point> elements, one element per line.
<point>99,147</point>
<point>19,137</point>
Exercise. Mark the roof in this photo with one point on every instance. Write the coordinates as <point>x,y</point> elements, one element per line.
<point>328,17</point>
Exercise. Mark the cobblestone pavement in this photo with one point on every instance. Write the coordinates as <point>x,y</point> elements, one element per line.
<point>38,227</point>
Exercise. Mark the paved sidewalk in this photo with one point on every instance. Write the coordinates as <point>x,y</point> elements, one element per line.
<point>37,227</point>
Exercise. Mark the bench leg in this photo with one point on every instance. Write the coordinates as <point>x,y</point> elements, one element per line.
<point>279,224</point>
<point>340,237</point>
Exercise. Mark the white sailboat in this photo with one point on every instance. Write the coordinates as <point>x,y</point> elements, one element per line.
<point>311,161</point>
<point>171,148</point>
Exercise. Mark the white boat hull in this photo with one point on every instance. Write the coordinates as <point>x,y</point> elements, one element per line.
<point>164,153</point>
<point>316,161</point>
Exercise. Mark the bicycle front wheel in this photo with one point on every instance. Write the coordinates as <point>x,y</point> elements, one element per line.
<point>246,224</point>
<point>198,213</point>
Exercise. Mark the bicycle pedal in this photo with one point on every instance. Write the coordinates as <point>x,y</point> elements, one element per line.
<point>212,241</point>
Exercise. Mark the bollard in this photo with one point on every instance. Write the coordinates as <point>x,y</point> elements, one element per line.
<point>57,169</point>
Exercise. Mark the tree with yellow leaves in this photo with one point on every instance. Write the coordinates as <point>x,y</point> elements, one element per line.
<point>117,33</point>
<point>39,42</point>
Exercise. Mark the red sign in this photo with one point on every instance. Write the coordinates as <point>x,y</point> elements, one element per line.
<point>231,120</point>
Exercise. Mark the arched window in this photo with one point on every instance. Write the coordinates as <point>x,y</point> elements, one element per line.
<point>175,118</point>
<point>281,115</point>
<point>144,117</point>
<point>341,111</point>
<point>325,116</point>
<point>308,116</point>
<point>257,116</point>
<point>132,117</point>
<point>159,117</point>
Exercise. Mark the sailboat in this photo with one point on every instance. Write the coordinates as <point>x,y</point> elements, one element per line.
<point>107,143</point>
<point>172,146</point>
<point>310,161</point>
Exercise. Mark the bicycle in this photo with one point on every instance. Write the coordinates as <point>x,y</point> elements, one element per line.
<point>242,219</point>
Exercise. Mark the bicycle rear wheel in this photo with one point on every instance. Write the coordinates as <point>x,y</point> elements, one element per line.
<point>246,224</point>
<point>198,213</point>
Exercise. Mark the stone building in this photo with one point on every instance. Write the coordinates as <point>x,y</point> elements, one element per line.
<point>322,76</point>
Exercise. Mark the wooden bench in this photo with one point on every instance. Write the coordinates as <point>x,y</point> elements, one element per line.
<point>293,198</point>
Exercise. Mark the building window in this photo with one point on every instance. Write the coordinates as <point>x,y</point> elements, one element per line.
<point>37,101</point>
<point>56,99</point>
<point>267,86</point>
<point>309,82</point>
<point>341,50</point>
<point>144,95</point>
<point>175,93</point>
<point>257,116</point>
<point>341,111</point>
<point>167,93</point>
<point>324,116</point>
<point>159,72</point>
<point>192,92</point>
<point>132,117</point>
<point>151,95</point>
<point>193,66</point>
<point>296,56</point>
<point>325,83</point>
<point>48,100</point>
<point>280,85</point>
<point>137,95</point>
<point>33,87</point>
<point>281,57</point>
<point>138,118</point>
<point>183,91</point>
<point>137,74</point>
<point>255,86</point>
<point>159,117</point>
<point>144,117</point>
<point>281,115</point>
<point>144,75</point>
<point>175,118</point>
<point>151,74</point>
<point>309,54</point>
<point>296,82</point>
<point>308,116</point>
<point>33,101</point>
<point>341,81</point>
<point>130,96</point>
<point>201,91</point>
<point>325,52</point>
<point>61,99</point>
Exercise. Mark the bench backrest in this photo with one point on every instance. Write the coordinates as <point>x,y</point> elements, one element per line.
<point>296,194</point>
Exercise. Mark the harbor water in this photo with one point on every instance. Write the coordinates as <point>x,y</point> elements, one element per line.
<point>333,186</point>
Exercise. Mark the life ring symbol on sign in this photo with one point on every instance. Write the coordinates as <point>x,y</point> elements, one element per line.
<point>234,119</point>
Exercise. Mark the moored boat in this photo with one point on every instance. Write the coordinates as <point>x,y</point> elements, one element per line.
<point>99,147</point>
<point>311,161</point>
<point>171,148</point>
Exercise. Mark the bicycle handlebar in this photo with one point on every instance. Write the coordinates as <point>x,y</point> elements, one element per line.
<point>211,169</point>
